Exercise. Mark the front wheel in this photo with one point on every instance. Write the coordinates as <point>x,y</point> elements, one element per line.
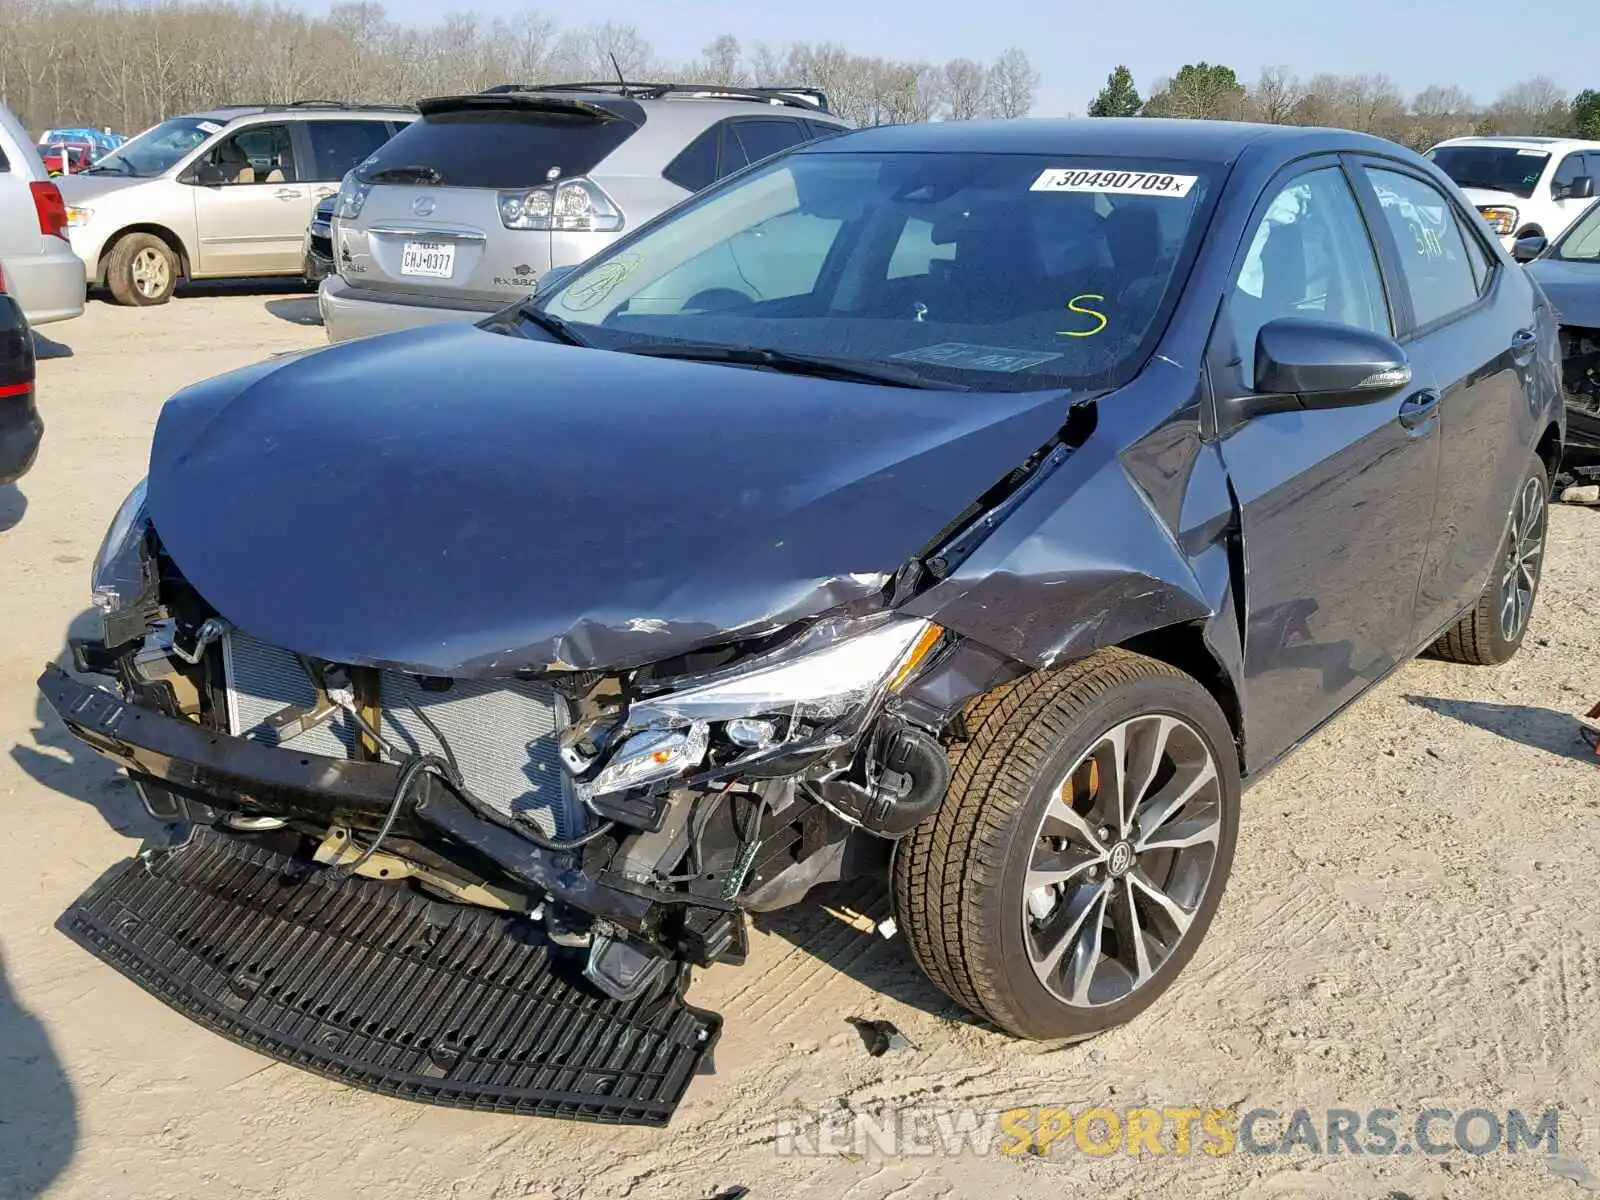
<point>1082,850</point>
<point>1493,631</point>
<point>141,270</point>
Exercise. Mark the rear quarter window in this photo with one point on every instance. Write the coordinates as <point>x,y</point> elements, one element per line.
<point>500,147</point>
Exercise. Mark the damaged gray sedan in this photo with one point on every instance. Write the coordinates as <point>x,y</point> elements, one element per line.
<point>971,505</point>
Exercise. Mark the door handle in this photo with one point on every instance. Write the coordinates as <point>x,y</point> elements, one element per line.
<point>1524,342</point>
<point>288,193</point>
<point>1418,410</point>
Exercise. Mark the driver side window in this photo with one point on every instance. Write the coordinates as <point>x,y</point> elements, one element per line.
<point>260,154</point>
<point>1310,257</point>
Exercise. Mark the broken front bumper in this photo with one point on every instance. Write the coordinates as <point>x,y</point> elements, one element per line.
<point>188,772</point>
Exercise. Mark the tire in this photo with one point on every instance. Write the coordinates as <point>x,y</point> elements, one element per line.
<point>960,881</point>
<point>1493,631</point>
<point>141,270</point>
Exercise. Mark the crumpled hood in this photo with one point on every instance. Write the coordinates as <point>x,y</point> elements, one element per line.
<point>459,502</point>
<point>1573,287</point>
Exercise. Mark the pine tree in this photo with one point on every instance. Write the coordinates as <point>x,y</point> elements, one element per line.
<point>1119,98</point>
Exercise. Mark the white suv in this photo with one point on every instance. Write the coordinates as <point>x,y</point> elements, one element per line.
<point>1523,186</point>
<point>37,266</point>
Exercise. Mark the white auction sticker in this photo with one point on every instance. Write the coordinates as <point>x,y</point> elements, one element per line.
<point>1113,182</point>
<point>209,126</point>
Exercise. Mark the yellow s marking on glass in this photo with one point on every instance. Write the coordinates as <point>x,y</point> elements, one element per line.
<point>1072,306</point>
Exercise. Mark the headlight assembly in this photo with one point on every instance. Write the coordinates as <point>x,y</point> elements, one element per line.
<point>816,685</point>
<point>123,578</point>
<point>1502,218</point>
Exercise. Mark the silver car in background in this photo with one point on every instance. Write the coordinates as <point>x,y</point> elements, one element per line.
<point>216,195</point>
<point>461,213</point>
<point>37,265</point>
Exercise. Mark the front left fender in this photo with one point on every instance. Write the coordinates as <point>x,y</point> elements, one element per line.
<point>1108,549</point>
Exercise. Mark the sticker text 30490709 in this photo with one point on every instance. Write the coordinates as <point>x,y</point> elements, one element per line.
<point>1113,182</point>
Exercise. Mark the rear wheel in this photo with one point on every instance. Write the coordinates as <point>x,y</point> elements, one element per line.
<point>141,270</point>
<point>1493,631</point>
<point>1082,850</point>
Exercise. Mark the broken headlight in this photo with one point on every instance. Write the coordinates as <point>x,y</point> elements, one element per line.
<point>794,699</point>
<point>121,576</point>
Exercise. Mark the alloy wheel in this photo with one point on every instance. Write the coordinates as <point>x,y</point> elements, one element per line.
<point>1524,550</point>
<point>1122,860</point>
<point>151,271</point>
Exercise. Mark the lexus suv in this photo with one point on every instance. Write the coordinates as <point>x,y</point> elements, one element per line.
<point>975,506</point>
<point>1523,186</point>
<point>465,210</point>
<point>216,195</point>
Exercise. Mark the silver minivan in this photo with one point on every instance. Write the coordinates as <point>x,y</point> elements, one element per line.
<point>463,211</point>
<point>216,195</point>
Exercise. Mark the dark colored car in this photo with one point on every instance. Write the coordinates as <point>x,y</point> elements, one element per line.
<point>979,505</point>
<point>20,427</point>
<point>318,249</point>
<point>1569,273</point>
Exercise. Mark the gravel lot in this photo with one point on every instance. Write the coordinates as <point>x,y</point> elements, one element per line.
<point>1411,923</point>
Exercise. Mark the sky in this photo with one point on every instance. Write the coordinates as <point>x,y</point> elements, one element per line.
<point>1073,46</point>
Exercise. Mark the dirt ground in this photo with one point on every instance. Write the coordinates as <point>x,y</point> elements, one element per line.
<point>1411,924</point>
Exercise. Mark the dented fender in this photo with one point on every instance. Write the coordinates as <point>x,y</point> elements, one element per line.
<point>1109,548</point>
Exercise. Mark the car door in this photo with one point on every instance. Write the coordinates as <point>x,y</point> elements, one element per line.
<point>1333,503</point>
<point>251,209</point>
<point>1470,318</point>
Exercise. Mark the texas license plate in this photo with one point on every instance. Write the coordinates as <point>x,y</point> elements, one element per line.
<point>435,260</point>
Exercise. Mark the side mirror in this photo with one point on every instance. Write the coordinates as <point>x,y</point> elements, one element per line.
<point>1526,249</point>
<point>1581,188</point>
<point>1318,364</point>
<point>205,175</point>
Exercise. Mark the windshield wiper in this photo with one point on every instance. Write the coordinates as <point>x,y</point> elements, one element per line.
<point>104,167</point>
<point>530,312</point>
<point>415,173</point>
<point>794,364</point>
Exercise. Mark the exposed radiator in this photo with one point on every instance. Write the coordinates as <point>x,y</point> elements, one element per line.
<point>503,733</point>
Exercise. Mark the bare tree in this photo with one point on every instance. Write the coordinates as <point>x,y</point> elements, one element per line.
<point>963,84</point>
<point>1013,84</point>
<point>721,62</point>
<point>1276,93</point>
<point>1536,105</point>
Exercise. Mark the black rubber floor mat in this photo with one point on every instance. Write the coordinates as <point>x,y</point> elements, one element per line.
<point>380,987</point>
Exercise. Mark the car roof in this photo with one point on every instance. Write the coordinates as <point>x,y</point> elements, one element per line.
<point>1523,141</point>
<point>1114,137</point>
<point>233,112</point>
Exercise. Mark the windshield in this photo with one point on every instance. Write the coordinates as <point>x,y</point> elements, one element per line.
<point>156,149</point>
<point>1582,242</point>
<point>993,271</point>
<point>1492,168</point>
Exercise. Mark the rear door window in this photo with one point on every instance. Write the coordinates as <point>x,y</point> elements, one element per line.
<point>1434,256</point>
<point>340,146</point>
<point>764,138</point>
<point>500,147</point>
